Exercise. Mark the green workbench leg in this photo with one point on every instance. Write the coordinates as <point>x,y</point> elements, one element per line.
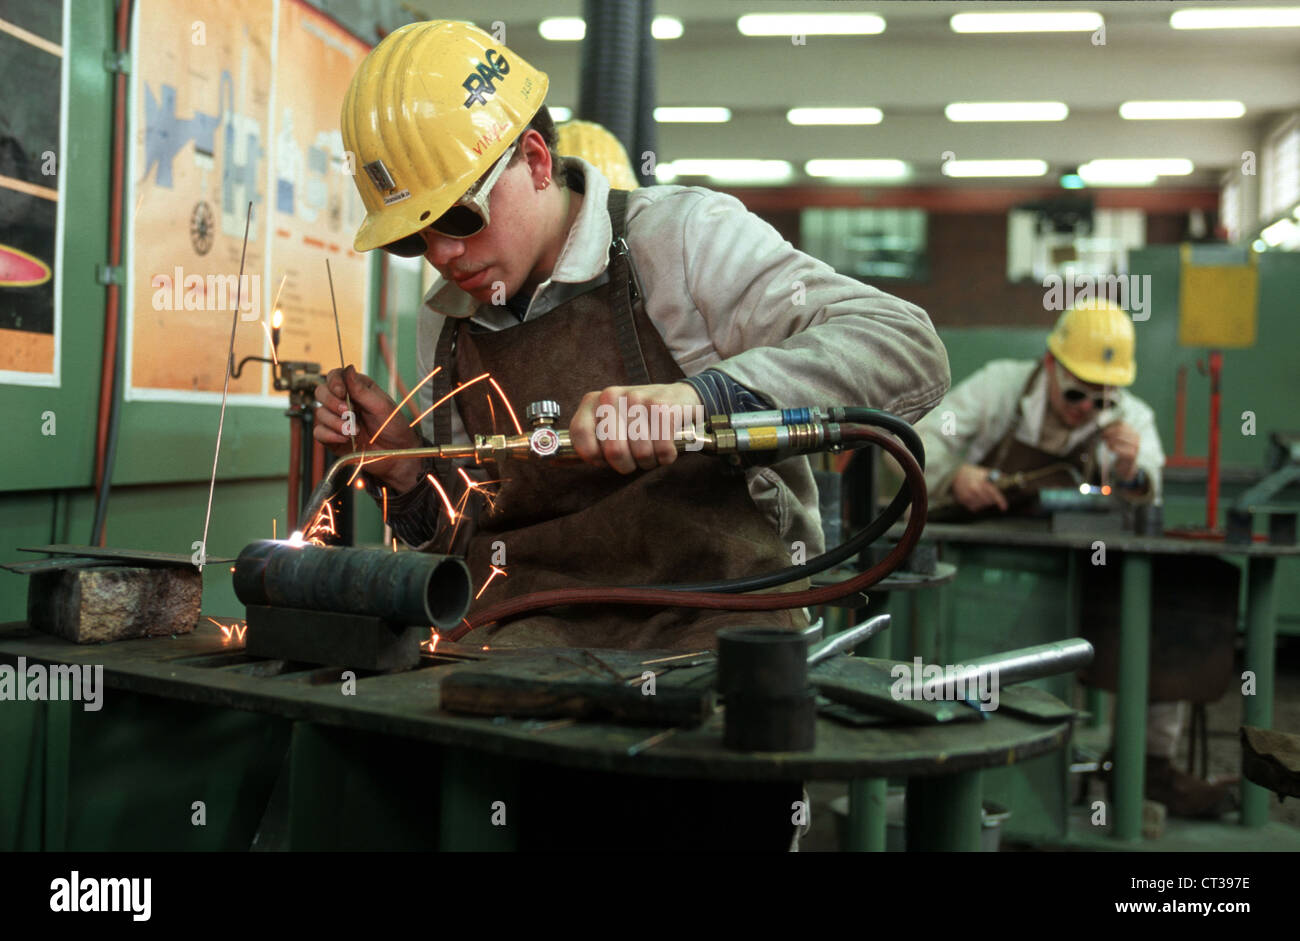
<point>1131,697</point>
<point>944,813</point>
<point>480,802</point>
<point>58,758</point>
<point>1095,697</point>
<point>1261,638</point>
<point>867,815</point>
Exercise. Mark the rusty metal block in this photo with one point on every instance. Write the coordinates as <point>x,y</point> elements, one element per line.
<point>95,605</point>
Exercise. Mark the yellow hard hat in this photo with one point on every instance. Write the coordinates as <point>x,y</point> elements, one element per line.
<point>428,112</point>
<point>1095,342</point>
<point>598,146</point>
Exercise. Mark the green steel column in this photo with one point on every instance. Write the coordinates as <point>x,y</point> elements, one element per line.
<point>1131,699</point>
<point>1096,698</point>
<point>1261,638</point>
<point>867,821</point>
<point>943,813</point>
<point>927,616</point>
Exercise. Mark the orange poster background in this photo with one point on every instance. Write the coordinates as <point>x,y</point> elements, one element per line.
<point>230,94</point>
<point>315,209</point>
<point>209,78</point>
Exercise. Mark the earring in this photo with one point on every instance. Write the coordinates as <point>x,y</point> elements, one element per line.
<point>545,183</point>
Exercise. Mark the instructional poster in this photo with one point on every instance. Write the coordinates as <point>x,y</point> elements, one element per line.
<point>231,110</point>
<point>32,45</point>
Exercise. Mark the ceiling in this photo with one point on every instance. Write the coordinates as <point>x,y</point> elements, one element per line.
<point>918,65</point>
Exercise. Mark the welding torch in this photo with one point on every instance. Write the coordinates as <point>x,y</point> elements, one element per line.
<point>778,433</point>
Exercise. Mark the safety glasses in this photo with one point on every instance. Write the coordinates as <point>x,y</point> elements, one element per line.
<point>468,216</point>
<point>1075,391</point>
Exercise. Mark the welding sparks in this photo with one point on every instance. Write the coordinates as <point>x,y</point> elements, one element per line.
<point>495,572</point>
<point>233,632</point>
<point>463,385</point>
<point>270,339</point>
<point>480,488</point>
<point>431,644</point>
<point>393,415</point>
<point>384,491</point>
<point>518,428</point>
<point>451,511</point>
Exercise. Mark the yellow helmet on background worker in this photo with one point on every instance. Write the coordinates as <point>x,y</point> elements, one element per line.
<point>1095,342</point>
<point>598,146</point>
<point>429,110</point>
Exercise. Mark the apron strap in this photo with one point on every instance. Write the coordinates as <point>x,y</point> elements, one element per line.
<point>624,293</point>
<point>1004,445</point>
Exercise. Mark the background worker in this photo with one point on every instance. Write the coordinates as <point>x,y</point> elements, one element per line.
<point>1065,414</point>
<point>707,306</point>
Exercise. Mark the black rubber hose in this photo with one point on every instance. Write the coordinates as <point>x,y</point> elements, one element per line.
<point>869,534</point>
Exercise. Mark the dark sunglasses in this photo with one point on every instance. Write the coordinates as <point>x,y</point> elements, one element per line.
<point>1099,402</point>
<point>469,216</point>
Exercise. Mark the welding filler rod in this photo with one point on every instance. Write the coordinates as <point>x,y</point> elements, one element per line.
<point>847,641</point>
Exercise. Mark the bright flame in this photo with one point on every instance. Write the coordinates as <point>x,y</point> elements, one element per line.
<point>296,538</point>
<point>277,319</point>
<point>1105,491</point>
<point>432,643</point>
<point>1084,488</point>
<point>361,485</point>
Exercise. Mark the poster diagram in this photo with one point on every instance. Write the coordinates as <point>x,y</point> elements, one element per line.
<point>32,46</point>
<point>231,110</point>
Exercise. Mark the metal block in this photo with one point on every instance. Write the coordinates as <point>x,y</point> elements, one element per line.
<point>1282,527</point>
<point>1241,527</point>
<point>332,639</point>
<point>96,605</point>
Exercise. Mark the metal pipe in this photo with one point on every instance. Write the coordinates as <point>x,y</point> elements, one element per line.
<point>847,641</point>
<point>409,588</point>
<point>1013,666</point>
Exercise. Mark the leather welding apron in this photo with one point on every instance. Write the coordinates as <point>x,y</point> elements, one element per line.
<point>1012,456</point>
<point>580,526</point>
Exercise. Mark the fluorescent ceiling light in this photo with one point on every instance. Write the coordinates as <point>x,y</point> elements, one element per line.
<point>692,115</point>
<point>810,24</point>
<point>834,115</point>
<point>727,171</point>
<point>963,168</point>
<point>666,27</point>
<point>857,169</point>
<point>559,113</point>
<point>1173,110</point>
<point>573,28</point>
<point>562,28</point>
<point>1006,111</point>
<point>1284,231</point>
<point>1161,166</point>
<point>1080,21</point>
<point>1234,17</point>
<point>1116,176</point>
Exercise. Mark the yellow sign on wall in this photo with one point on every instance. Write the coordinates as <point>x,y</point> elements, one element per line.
<point>1218,304</point>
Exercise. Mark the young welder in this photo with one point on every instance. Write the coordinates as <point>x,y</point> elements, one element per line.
<point>567,291</point>
<point>1060,420</point>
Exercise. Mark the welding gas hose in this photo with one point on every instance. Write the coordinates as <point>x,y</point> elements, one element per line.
<point>912,491</point>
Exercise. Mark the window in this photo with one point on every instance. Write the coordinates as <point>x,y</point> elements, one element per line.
<point>868,244</point>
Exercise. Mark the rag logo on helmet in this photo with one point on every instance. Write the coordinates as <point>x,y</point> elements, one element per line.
<point>482,81</point>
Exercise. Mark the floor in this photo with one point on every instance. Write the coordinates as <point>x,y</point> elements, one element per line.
<point>1223,719</point>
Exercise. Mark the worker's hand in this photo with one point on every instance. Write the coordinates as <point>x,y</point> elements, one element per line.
<point>973,489</point>
<point>334,426</point>
<point>1123,442</point>
<point>646,439</point>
